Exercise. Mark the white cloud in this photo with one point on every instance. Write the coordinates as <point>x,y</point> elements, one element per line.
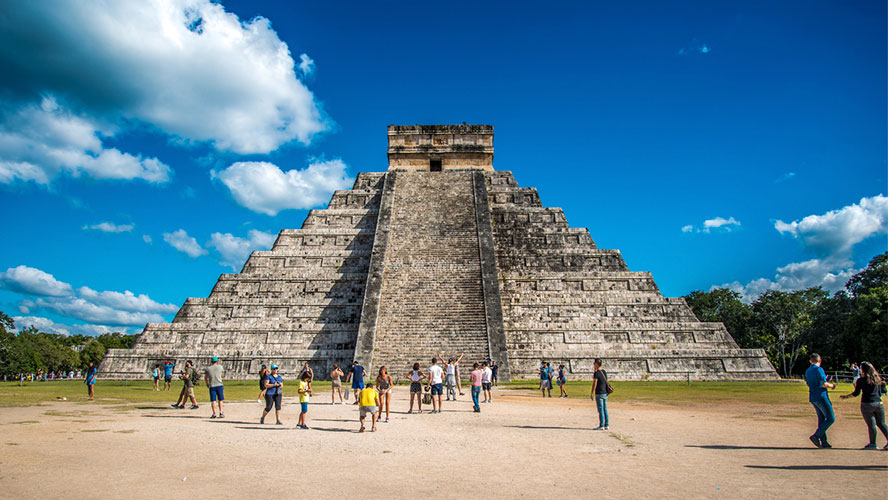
<point>83,309</point>
<point>127,301</point>
<point>830,273</point>
<point>263,187</point>
<point>49,326</point>
<point>234,250</point>
<point>147,239</point>
<point>110,227</point>
<point>182,242</point>
<point>719,223</point>
<point>37,143</point>
<point>24,279</point>
<point>836,231</point>
<point>306,64</point>
<point>785,177</point>
<point>184,67</point>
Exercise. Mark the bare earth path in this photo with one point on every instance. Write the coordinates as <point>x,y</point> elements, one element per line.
<point>521,446</point>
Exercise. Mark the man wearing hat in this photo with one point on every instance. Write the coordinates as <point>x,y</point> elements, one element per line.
<point>213,376</point>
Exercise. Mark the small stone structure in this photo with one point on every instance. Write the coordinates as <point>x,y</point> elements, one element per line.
<point>441,254</point>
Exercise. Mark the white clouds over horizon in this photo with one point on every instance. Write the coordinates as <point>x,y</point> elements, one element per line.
<point>110,227</point>
<point>29,280</point>
<point>718,223</point>
<point>264,188</point>
<point>180,240</point>
<point>234,250</point>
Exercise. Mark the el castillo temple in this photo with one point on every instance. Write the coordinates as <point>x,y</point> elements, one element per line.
<point>441,253</point>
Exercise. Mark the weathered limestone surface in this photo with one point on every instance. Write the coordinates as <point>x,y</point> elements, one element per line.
<point>414,262</point>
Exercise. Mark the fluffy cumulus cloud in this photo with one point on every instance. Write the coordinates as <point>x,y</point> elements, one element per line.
<point>719,224</point>
<point>829,273</point>
<point>306,65</point>
<point>233,250</point>
<point>264,188</point>
<point>180,240</point>
<point>99,308</point>
<point>187,68</point>
<point>110,227</point>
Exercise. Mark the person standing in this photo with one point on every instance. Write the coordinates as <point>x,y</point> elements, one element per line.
<point>415,376</point>
<point>871,386</point>
<point>436,383</point>
<point>369,405</point>
<point>304,393</point>
<point>476,378</point>
<point>855,373</point>
<point>384,383</point>
<point>562,380</point>
<point>599,394</point>
<point>168,367</point>
<point>545,380</point>
<point>494,367</point>
<point>91,375</point>
<point>189,376</point>
<point>356,375</point>
<point>263,372</point>
<point>274,392</point>
<point>818,396</point>
<point>213,375</point>
<point>336,384</point>
<point>307,369</point>
<point>486,380</point>
<point>155,374</point>
<point>452,377</point>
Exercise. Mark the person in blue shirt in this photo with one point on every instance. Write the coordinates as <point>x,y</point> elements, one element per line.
<point>91,380</point>
<point>356,375</point>
<point>274,391</point>
<point>168,367</point>
<point>819,398</point>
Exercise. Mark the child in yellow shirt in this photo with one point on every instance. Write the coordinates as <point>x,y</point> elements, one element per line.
<point>369,403</point>
<point>304,393</point>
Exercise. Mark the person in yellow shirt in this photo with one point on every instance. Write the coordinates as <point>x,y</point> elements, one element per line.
<point>304,393</point>
<point>369,404</point>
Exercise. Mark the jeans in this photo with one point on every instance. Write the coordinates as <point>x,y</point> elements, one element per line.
<point>451,386</point>
<point>601,404</point>
<point>476,391</point>
<point>825,416</point>
<point>874,416</point>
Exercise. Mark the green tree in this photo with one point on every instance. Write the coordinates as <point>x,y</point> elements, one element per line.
<point>93,352</point>
<point>874,275</point>
<point>784,320</point>
<point>724,305</point>
<point>828,335</point>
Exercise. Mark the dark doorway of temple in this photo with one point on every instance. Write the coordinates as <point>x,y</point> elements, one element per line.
<point>434,165</point>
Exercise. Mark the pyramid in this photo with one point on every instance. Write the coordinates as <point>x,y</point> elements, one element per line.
<point>441,254</point>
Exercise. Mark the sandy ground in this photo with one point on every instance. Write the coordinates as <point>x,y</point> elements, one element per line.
<point>520,446</point>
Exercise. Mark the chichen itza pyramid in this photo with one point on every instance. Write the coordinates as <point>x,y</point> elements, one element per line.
<point>441,253</point>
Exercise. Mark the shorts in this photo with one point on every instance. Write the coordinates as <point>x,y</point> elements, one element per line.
<point>356,384</point>
<point>485,386</point>
<point>167,378</point>
<point>415,388</point>
<point>437,389</point>
<point>156,379</point>
<point>337,384</point>
<point>273,399</point>
<point>216,393</point>
<point>368,410</point>
<point>545,384</point>
<point>304,405</point>
<point>451,380</point>
<point>188,391</point>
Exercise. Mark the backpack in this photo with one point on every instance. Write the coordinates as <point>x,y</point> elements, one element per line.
<point>194,377</point>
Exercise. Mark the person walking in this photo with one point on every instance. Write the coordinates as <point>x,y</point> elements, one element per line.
<point>486,380</point>
<point>415,376</point>
<point>562,381</point>
<point>90,380</point>
<point>384,384</point>
<point>168,367</point>
<point>155,374</point>
<point>870,386</point>
<point>304,393</point>
<point>336,384</point>
<point>436,383</point>
<point>213,376</point>
<point>545,379</point>
<point>356,375</point>
<point>274,392</point>
<point>818,396</point>
<point>599,394</point>
<point>263,372</point>
<point>476,377</point>
<point>369,405</point>
<point>451,380</point>
<point>188,376</point>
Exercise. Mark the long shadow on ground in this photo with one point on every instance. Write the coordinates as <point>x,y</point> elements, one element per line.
<point>550,427</point>
<point>819,467</point>
<point>736,447</point>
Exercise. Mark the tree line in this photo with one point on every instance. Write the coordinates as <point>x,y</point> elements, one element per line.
<point>31,350</point>
<point>846,327</point>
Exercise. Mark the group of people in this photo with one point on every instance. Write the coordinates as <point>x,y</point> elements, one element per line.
<point>42,376</point>
<point>869,385</point>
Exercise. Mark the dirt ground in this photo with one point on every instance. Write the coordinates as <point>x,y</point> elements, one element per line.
<point>519,446</point>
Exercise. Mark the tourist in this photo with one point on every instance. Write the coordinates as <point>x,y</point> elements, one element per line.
<point>545,379</point>
<point>336,384</point>
<point>815,377</point>
<point>304,393</point>
<point>870,386</point>
<point>188,376</point>
<point>274,391</point>
<point>494,367</point>
<point>213,375</point>
<point>855,373</point>
<point>476,378</point>
<point>599,394</point>
<point>416,377</point>
<point>436,383</point>
<point>168,367</point>
<point>307,369</point>
<point>384,383</point>
<point>356,375</point>
<point>486,378</point>
<point>370,405</point>
<point>451,380</point>
<point>91,381</point>
<point>155,374</point>
<point>263,372</point>
<point>562,380</point>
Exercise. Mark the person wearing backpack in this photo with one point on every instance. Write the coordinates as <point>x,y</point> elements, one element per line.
<point>599,394</point>
<point>190,379</point>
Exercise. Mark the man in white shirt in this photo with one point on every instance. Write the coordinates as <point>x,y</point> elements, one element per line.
<point>486,379</point>
<point>436,383</point>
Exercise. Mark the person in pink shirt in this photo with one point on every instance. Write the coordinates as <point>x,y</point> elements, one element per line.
<point>476,376</point>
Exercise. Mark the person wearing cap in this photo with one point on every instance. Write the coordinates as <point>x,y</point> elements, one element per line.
<point>213,376</point>
<point>274,390</point>
<point>188,376</point>
<point>452,375</point>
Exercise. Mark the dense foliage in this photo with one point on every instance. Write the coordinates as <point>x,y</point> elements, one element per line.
<point>31,350</point>
<point>848,327</point>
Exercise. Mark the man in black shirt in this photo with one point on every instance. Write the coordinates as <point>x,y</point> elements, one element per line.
<point>599,394</point>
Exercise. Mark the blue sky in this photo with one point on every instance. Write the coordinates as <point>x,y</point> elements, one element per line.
<point>147,147</point>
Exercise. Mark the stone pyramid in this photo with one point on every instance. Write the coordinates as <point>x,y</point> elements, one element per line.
<point>441,254</point>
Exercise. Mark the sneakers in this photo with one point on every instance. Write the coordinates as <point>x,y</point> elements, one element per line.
<point>214,415</point>
<point>409,412</point>
<point>262,420</point>
<point>871,446</point>
<point>825,444</point>
<point>599,428</point>
<point>386,420</point>
<point>476,409</point>
<point>278,423</point>
<point>221,415</point>
<point>815,441</point>
<point>193,407</point>
<point>606,428</point>
<point>177,406</point>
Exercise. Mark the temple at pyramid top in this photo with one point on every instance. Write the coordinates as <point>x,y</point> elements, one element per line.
<point>435,148</point>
